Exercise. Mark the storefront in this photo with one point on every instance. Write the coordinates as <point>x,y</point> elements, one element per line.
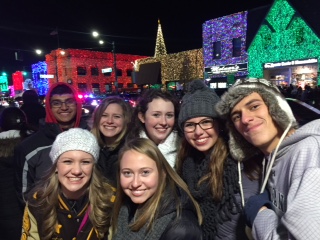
<point>225,75</point>
<point>296,72</point>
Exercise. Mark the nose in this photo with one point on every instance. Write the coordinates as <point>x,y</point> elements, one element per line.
<point>109,120</point>
<point>64,105</point>
<point>163,120</point>
<point>198,130</point>
<point>136,181</point>
<point>246,117</point>
<point>76,169</point>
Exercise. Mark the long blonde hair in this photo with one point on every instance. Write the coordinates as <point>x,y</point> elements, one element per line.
<point>45,194</point>
<point>127,113</point>
<point>168,179</point>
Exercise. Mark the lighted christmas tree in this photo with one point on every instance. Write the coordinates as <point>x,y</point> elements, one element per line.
<point>160,45</point>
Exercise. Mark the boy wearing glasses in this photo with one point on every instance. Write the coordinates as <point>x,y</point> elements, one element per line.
<point>215,180</point>
<point>63,111</point>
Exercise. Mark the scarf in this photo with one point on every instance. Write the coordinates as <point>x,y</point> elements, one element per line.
<point>124,231</point>
<point>214,213</point>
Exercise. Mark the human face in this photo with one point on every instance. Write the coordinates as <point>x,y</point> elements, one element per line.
<point>158,119</point>
<point>202,140</point>
<point>74,169</point>
<point>139,176</point>
<point>65,115</point>
<point>112,122</point>
<point>253,121</point>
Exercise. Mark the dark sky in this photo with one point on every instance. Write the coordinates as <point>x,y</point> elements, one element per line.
<point>25,25</point>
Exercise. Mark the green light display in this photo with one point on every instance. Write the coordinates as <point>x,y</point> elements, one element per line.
<point>283,36</point>
<point>4,83</point>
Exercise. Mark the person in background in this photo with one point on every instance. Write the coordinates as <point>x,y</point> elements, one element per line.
<point>32,108</point>
<point>215,180</point>
<point>110,126</point>
<point>152,201</point>
<point>155,117</point>
<point>261,122</point>
<point>13,129</point>
<point>63,111</point>
<point>72,201</point>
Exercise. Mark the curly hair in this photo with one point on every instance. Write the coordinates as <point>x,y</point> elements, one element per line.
<point>147,97</point>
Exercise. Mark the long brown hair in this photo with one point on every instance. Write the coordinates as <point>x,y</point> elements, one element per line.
<point>168,179</point>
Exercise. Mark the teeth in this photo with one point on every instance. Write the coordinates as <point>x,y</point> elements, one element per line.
<point>74,179</point>
<point>201,140</point>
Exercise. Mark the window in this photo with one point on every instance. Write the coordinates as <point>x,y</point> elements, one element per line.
<point>96,88</point>
<point>107,74</point>
<point>119,72</point>
<point>129,72</point>
<point>94,71</point>
<point>236,47</point>
<point>299,35</point>
<point>217,50</point>
<point>81,71</point>
<point>82,87</point>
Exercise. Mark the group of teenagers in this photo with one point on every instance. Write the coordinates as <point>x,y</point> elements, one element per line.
<point>205,167</point>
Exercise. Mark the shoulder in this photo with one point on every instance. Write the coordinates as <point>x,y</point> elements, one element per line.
<point>185,227</point>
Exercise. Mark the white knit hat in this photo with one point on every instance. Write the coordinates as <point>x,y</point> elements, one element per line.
<point>75,139</point>
<point>279,109</point>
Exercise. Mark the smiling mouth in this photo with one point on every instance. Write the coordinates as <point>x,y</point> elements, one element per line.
<point>74,179</point>
<point>201,140</point>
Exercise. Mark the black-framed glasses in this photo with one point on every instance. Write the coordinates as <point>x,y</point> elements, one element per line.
<point>70,102</point>
<point>204,124</point>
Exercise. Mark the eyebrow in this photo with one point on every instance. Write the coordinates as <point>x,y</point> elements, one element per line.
<point>248,103</point>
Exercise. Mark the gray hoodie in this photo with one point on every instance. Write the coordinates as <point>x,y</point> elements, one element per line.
<point>294,185</point>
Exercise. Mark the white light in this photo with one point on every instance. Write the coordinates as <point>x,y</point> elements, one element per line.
<point>62,52</point>
<point>38,51</point>
<point>95,34</point>
<point>101,42</point>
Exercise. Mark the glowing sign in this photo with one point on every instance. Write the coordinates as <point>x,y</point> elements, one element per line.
<point>290,63</point>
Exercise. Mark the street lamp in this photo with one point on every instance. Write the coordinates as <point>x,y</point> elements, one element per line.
<point>96,34</point>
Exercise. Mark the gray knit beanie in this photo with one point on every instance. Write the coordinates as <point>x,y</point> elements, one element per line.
<point>279,109</point>
<point>199,101</point>
<point>75,139</point>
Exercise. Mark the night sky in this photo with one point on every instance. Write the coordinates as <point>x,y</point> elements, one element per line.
<point>25,25</point>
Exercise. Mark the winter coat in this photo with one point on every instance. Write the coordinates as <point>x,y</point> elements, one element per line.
<point>166,227</point>
<point>224,219</point>
<point>107,163</point>
<point>69,221</point>
<point>31,156</point>
<point>11,214</point>
<point>34,112</point>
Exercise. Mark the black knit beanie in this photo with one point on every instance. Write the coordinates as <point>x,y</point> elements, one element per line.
<point>198,102</point>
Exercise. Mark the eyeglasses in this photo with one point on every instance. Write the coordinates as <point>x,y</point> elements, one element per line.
<point>71,102</point>
<point>205,124</point>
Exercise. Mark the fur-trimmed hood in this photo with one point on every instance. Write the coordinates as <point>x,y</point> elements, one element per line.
<point>8,141</point>
<point>279,109</point>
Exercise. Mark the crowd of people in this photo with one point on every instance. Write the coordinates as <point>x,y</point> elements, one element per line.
<point>202,167</point>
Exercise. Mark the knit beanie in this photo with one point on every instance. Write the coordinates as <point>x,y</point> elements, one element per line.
<point>279,109</point>
<point>74,139</point>
<point>199,101</point>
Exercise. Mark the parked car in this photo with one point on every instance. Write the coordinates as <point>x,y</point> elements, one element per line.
<point>302,111</point>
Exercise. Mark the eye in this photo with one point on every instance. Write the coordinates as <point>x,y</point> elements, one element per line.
<point>170,115</point>
<point>156,114</point>
<point>86,162</point>
<point>67,162</point>
<point>255,106</point>
<point>117,116</point>
<point>188,124</point>
<point>145,172</point>
<point>126,173</point>
<point>235,117</point>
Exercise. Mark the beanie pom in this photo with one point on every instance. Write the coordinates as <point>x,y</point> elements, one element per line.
<point>197,85</point>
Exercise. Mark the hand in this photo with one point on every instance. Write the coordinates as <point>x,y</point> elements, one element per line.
<point>254,205</point>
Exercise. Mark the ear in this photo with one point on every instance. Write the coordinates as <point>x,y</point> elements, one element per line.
<point>141,117</point>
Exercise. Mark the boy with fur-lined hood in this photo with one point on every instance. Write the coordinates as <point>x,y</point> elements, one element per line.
<point>261,121</point>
